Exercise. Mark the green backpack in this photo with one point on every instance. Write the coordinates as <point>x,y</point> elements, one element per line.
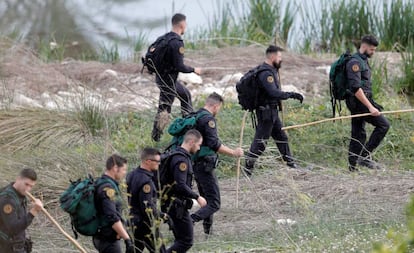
<point>180,126</point>
<point>338,81</point>
<point>79,201</point>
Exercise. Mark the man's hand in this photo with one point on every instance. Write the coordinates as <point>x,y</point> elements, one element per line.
<point>374,111</point>
<point>238,152</point>
<point>197,71</point>
<point>297,96</point>
<point>201,201</point>
<point>37,207</point>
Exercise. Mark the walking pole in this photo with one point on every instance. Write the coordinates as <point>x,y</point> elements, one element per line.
<point>344,117</point>
<point>239,158</point>
<point>58,226</point>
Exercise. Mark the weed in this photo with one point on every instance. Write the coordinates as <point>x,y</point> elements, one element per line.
<point>109,53</point>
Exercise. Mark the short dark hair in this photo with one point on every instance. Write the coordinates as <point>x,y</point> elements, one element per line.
<point>115,160</point>
<point>28,173</point>
<point>177,18</point>
<point>273,49</point>
<point>192,134</point>
<point>214,98</point>
<point>148,153</point>
<point>370,40</point>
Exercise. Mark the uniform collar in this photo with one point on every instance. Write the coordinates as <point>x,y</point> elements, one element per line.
<point>363,56</point>
<point>149,173</point>
<point>110,178</point>
<point>182,150</point>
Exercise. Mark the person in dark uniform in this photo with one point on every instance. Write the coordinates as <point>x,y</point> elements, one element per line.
<point>206,159</point>
<point>268,121</point>
<point>180,195</point>
<point>166,79</point>
<point>142,199</point>
<point>361,101</point>
<point>108,202</point>
<point>14,218</point>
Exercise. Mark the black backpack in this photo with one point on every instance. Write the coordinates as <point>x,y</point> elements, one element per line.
<point>247,89</point>
<point>154,59</point>
<point>163,177</point>
<point>338,81</point>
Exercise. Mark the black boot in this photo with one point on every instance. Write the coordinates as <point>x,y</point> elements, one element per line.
<point>249,166</point>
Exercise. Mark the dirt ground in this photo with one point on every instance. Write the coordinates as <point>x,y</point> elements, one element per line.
<point>28,81</point>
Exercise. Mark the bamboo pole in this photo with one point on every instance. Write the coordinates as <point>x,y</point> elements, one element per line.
<point>239,158</point>
<point>80,248</point>
<point>344,117</point>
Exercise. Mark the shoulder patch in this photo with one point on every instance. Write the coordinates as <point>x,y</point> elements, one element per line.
<point>152,49</point>
<point>109,192</point>
<point>355,67</point>
<point>181,50</point>
<point>212,124</point>
<point>7,209</point>
<point>146,188</point>
<point>183,166</point>
<point>270,79</point>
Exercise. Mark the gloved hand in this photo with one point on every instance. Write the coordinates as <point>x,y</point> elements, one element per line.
<point>129,246</point>
<point>297,96</point>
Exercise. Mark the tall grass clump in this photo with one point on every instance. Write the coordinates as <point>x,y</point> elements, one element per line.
<point>247,22</point>
<point>109,53</point>
<point>336,26</point>
<point>27,128</point>
<point>406,82</point>
<point>396,24</point>
<point>51,50</point>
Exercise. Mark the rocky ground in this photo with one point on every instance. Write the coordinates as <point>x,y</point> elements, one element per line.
<point>28,81</point>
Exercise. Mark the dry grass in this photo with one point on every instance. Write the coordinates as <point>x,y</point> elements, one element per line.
<point>29,128</point>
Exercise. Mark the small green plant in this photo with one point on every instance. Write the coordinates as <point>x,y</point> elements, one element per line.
<point>400,242</point>
<point>91,112</point>
<point>109,53</point>
<point>51,50</point>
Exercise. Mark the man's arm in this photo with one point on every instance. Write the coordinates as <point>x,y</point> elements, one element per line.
<point>238,152</point>
<point>360,95</point>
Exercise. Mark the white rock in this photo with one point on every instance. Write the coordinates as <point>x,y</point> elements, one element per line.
<point>326,68</point>
<point>190,78</point>
<point>286,222</point>
<point>232,78</point>
<point>22,100</point>
<point>114,90</point>
<point>109,73</point>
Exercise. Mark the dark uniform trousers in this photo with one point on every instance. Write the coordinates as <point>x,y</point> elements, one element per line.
<point>183,228</point>
<point>144,237</point>
<point>170,88</point>
<point>103,245</point>
<point>208,187</point>
<point>358,147</point>
<point>269,124</point>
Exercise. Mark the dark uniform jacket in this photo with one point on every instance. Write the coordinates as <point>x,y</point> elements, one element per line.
<point>206,125</point>
<point>175,56</point>
<point>359,74</point>
<point>269,87</point>
<point>108,203</point>
<point>182,173</point>
<point>14,218</point>
<point>142,194</point>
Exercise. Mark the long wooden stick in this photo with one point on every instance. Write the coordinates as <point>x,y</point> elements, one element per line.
<point>239,159</point>
<point>344,117</point>
<point>81,249</point>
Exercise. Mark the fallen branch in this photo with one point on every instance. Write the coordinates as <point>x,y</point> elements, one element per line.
<point>81,249</point>
<point>343,117</point>
<point>239,158</point>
